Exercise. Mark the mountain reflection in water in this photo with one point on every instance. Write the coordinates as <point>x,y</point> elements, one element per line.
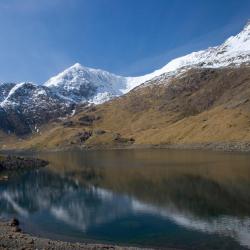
<point>190,192</point>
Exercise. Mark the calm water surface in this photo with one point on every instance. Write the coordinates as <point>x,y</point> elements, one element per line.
<point>160,198</point>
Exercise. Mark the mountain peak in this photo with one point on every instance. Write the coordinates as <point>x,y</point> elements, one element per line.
<point>82,83</point>
<point>77,66</point>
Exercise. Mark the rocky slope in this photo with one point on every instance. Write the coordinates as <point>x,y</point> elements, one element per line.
<point>25,106</point>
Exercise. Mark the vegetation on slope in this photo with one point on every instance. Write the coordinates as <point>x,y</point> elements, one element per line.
<point>198,107</point>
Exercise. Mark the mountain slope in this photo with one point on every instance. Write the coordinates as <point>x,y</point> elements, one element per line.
<point>26,106</point>
<point>82,84</point>
<point>233,52</point>
<point>5,89</point>
<point>203,107</point>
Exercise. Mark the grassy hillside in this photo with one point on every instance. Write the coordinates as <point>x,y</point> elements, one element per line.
<point>200,106</point>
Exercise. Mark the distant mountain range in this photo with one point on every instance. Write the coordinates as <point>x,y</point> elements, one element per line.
<point>24,107</point>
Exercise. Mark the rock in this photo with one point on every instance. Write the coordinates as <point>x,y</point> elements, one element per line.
<point>68,124</point>
<point>15,163</point>
<point>4,177</point>
<point>14,222</point>
<point>99,132</point>
<point>84,136</point>
<point>88,120</point>
<point>121,139</point>
<point>30,241</point>
<point>16,229</point>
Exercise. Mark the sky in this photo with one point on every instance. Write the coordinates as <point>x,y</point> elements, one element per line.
<point>40,38</point>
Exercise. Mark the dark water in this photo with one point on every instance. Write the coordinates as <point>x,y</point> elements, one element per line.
<point>160,198</point>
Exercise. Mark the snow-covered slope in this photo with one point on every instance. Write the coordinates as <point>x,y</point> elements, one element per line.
<point>5,89</point>
<point>233,52</point>
<point>82,84</point>
<point>26,106</point>
<point>85,84</point>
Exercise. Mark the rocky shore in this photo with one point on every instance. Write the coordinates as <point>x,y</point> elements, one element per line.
<point>11,237</point>
<point>243,147</point>
<point>13,163</point>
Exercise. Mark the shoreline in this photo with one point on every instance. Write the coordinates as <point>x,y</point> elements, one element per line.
<point>240,147</point>
<point>12,237</point>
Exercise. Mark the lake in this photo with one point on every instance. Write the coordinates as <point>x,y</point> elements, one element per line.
<point>162,198</point>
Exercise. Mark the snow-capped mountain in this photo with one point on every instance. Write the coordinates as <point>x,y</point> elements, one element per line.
<point>82,84</point>
<point>25,106</point>
<point>233,52</point>
<point>97,86</point>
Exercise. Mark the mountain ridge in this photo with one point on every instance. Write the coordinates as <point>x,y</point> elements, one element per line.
<point>234,51</point>
<point>202,108</point>
<point>23,104</point>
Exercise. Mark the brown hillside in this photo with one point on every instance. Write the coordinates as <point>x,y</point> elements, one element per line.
<point>200,106</point>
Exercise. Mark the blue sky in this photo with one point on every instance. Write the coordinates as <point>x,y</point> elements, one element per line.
<point>40,38</point>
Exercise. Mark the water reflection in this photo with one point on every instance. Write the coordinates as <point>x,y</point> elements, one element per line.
<point>100,193</point>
